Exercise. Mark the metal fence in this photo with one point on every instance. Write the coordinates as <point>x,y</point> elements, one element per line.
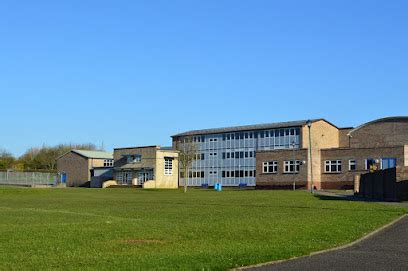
<point>28,178</point>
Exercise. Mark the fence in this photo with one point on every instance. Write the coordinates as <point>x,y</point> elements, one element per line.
<point>389,184</point>
<point>28,178</point>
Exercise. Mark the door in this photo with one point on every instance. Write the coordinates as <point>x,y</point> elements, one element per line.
<point>143,177</point>
<point>127,177</point>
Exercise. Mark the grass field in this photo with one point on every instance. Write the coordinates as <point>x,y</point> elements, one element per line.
<point>115,229</point>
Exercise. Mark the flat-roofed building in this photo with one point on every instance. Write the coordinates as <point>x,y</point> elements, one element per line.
<point>228,155</point>
<point>278,155</point>
<point>148,166</point>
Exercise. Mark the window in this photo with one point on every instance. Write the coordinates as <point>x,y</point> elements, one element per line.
<point>370,164</point>
<point>213,172</point>
<point>270,167</point>
<point>168,166</point>
<point>388,163</point>
<point>332,166</point>
<point>134,158</point>
<point>291,166</point>
<point>213,139</point>
<point>352,165</point>
<point>212,154</point>
<point>108,163</point>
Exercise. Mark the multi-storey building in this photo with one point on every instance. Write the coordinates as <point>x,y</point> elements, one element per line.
<point>283,155</point>
<point>228,155</point>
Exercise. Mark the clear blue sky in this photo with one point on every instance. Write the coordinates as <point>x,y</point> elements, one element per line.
<point>129,73</point>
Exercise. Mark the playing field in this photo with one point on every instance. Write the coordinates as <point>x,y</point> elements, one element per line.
<point>115,229</point>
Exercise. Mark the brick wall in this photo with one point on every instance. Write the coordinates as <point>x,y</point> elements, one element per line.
<point>76,168</point>
<point>380,134</point>
<point>345,179</point>
<point>280,179</point>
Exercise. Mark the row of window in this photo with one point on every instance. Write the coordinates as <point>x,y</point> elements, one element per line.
<point>238,154</point>
<point>262,134</point>
<point>290,166</point>
<point>335,166</point>
<point>227,155</point>
<point>225,173</point>
<point>108,163</point>
<point>193,174</point>
<point>249,135</point>
<point>238,173</point>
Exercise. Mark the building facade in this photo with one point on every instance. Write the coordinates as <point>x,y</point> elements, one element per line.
<point>149,167</point>
<point>376,145</point>
<point>228,155</point>
<point>79,167</point>
<point>283,155</point>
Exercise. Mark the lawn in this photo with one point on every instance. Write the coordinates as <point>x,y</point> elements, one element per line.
<point>116,229</point>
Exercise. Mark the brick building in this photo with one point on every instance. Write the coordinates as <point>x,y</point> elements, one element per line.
<point>338,155</point>
<point>80,166</point>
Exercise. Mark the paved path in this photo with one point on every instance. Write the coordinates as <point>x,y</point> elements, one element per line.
<point>385,250</point>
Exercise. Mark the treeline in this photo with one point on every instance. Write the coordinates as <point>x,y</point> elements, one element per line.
<point>39,159</point>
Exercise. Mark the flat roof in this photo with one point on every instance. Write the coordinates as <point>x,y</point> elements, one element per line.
<point>298,123</point>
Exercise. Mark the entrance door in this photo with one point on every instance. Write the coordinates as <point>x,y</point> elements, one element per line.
<point>127,177</point>
<point>143,177</point>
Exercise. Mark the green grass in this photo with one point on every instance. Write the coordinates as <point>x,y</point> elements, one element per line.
<point>115,229</point>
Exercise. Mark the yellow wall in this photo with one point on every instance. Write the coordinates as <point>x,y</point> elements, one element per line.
<point>323,136</point>
<point>166,181</point>
<point>406,155</point>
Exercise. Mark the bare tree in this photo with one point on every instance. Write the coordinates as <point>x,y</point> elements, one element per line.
<point>187,154</point>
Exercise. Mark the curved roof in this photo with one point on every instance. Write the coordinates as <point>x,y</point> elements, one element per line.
<point>388,119</point>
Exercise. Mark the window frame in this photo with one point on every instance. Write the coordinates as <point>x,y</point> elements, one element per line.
<point>329,164</point>
<point>168,166</point>
<point>352,162</point>
<point>287,165</point>
<point>270,167</point>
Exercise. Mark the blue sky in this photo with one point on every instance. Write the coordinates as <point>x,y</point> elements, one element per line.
<point>128,73</point>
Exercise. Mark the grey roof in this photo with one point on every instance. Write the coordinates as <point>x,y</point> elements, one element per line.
<point>94,154</point>
<point>274,125</point>
<point>90,154</point>
<point>388,119</point>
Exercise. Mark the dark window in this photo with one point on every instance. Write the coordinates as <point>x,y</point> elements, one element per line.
<point>246,154</point>
<point>232,173</point>
<point>202,174</point>
<point>241,173</point>
<point>223,155</point>
<point>236,154</point>
<point>223,173</point>
<point>236,173</point>
<point>241,154</point>
<point>261,133</point>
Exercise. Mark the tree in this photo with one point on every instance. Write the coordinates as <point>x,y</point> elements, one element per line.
<point>7,160</point>
<point>187,154</point>
<point>44,158</point>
